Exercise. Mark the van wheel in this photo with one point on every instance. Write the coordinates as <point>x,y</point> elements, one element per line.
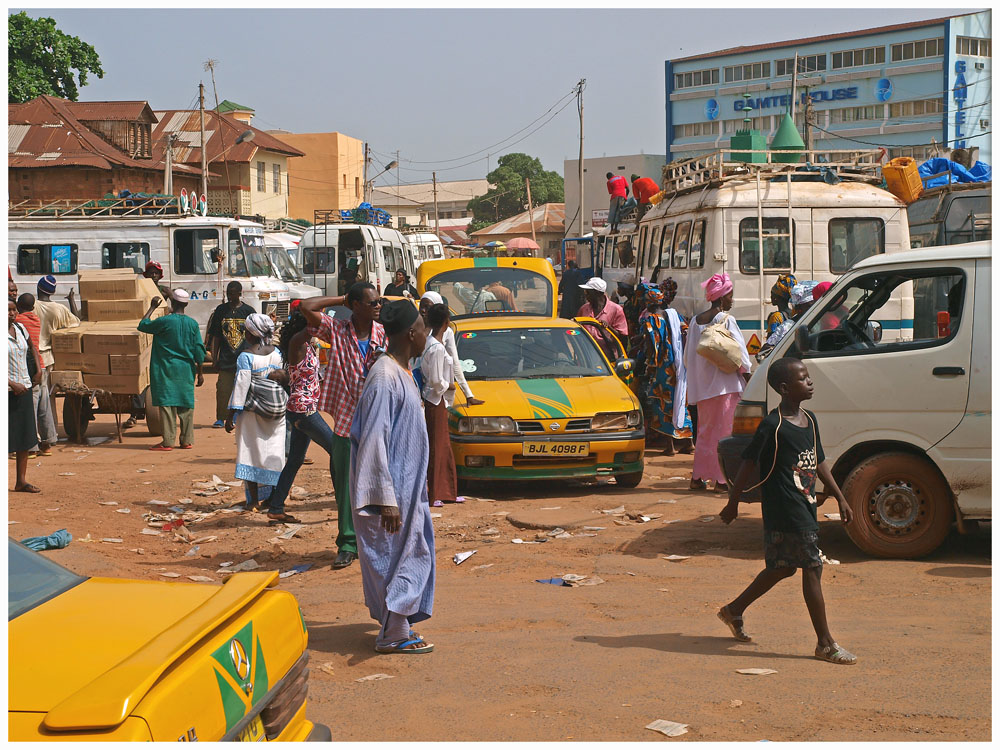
<point>902,507</point>
<point>153,423</point>
<point>629,480</point>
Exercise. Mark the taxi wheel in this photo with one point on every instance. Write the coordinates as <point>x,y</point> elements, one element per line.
<point>629,480</point>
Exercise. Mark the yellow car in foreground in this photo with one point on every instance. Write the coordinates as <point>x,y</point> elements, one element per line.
<point>556,404</point>
<point>120,660</point>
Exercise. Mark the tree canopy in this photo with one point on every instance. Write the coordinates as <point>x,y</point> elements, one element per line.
<point>508,195</point>
<point>42,60</point>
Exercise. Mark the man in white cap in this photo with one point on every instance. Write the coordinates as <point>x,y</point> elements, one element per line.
<point>174,364</point>
<point>600,307</point>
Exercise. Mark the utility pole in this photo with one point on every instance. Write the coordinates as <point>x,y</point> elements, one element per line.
<point>437,220</point>
<point>579,107</point>
<point>365,178</point>
<point>204,155</point>
<point>168,169</point>
<point>795,77</point>
<point>810,115</point>
<point>210,66</point>
<point>531,216</point>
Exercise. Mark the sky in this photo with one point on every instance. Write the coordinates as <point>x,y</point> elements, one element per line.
<point>442,86</point>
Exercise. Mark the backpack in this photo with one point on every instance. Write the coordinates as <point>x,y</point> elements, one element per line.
<point>718,345</point>
<point>266,399</point>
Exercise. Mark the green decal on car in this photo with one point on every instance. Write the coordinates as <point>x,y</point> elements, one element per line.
<point>484,262</point>
<point>546,397</point>
<point>241,673</point>
<point>259,675</point>
<point>233,704</point>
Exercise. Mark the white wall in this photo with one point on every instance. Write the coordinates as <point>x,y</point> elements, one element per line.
<point>595,191</point>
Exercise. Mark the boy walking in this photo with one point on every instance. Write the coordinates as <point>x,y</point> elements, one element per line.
<point>789,454</point>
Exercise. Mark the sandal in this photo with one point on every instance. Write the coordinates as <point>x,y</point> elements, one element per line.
<point>404,647</point>
<point>699,484</point>
<point>189,446</point>
<point>160,448</point>
<point>735,624</point>
<point>276,518</point>
<point>437,504</point>
<point>130,422</point>
<point>27,488</point>
<point>835,655</point>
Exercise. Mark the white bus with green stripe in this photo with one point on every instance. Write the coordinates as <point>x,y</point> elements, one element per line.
<point>704,224</point>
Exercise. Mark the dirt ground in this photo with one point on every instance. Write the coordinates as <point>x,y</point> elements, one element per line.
<point>520,660</point>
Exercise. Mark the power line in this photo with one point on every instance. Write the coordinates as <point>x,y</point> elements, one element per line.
<point>901,145</point>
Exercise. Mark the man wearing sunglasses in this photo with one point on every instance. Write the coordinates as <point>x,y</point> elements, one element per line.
<point>355,343</point>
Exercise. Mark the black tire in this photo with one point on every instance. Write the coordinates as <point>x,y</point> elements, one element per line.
<point>74,422</point>
<point>629,480</point>
<point>902,506</point>
<point>153,422</point>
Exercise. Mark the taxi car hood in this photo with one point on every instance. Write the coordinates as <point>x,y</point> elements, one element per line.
<point>549,398</point>
<point>87,657</point>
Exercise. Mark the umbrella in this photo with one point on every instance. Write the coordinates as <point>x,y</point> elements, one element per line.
<point>496,244</point>
<point>522,243</point>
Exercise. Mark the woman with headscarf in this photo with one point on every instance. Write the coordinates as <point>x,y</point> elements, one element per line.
<point>260,441</point>
<point>713,391</point>
<point>428,300</point>
<point>802,300</point>
<point>662,355</point>
<point>781,293</point>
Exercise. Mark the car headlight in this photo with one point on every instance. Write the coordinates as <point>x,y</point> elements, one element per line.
<point>486,425</point>
<point>617,421</point>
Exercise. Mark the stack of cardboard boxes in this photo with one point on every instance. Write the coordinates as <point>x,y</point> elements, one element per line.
<point>107,352</point>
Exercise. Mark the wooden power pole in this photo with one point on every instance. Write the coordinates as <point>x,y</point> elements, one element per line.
<point>531,215</point>
<point>579,106</point>
<point>204,153</point>
<point>437,220</point>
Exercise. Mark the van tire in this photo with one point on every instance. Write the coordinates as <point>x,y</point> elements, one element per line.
<point>630,481</point>
<point>153,422</point>
<point>902,506</point>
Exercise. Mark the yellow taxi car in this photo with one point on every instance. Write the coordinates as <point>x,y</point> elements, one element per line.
<point>555,404</point>
<point>114,659</point>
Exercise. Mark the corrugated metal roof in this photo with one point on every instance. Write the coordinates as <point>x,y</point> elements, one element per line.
<point>549,217</point>
<point>15,134</point>
<point>130,111</point>
<point>218,129</point>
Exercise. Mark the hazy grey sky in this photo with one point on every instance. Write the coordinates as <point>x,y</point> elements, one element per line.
<point>435,84</point>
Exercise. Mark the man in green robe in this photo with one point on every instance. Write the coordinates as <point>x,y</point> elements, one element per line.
<point>176,359</point>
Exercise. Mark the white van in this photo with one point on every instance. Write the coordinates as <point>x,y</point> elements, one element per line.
<point>424,246</point>
<point>198,254</point>
<point>281,248</point>
<point>334,256</point>
<point>905,424</point>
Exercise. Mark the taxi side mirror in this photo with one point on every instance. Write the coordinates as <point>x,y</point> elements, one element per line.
<point>624,368</point>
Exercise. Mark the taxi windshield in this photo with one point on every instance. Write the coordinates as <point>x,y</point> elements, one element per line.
<point>493,290</point>
<point>32,579</point>
<point>529,353</point>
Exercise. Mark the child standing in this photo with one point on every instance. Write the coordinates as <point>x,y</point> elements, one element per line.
<point>789,453</point>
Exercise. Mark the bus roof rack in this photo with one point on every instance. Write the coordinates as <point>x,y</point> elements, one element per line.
<point>134,206</point>
<point>714,168</point>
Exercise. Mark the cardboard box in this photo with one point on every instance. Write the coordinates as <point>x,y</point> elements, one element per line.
<point>118,383</point>
<point>66,378</point>
<point>115,284</point>
<point>129,364</point>
<point>101,310</point>
<point>68,339</point>
<point>109,340</point>
<point>97,364</point>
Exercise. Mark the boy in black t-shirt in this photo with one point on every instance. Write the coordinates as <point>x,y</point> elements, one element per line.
<point>789,454</point>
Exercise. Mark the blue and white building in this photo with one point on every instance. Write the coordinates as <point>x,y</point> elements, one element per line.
<point>916,89</point>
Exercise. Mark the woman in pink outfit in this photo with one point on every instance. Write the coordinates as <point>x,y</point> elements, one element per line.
<point>715,392</point>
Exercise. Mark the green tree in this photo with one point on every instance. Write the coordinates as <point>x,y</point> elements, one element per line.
<point>41,60</point>
<point>508,195</point>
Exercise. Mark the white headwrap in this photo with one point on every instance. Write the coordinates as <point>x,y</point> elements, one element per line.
<point>260,326</point>
<point>434,297</point>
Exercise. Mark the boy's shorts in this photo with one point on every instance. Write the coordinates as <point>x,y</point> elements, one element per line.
<point>791,549</point>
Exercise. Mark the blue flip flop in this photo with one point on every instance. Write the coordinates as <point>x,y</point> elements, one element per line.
<point>401,648</point>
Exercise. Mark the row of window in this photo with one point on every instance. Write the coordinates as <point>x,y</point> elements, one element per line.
<point>917,107</point>
<point>851,58</point>
<point>262,177</point>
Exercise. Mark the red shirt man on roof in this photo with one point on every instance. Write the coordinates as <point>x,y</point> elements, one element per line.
<point>617,189</point>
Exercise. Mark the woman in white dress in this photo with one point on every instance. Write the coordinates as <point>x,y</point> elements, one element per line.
<point>260,441</point>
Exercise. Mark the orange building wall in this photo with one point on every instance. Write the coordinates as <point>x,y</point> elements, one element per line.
<point>329,176</point>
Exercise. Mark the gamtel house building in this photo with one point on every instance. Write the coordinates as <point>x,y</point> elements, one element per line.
<point>914,88</point>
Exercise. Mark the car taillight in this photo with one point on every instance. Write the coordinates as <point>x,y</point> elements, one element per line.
<point>287,701</point>
<point>748,416</point>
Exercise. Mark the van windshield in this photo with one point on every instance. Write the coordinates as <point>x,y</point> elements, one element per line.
<point>283,264</point>
<point>493,289</point>
<point>247,256</point>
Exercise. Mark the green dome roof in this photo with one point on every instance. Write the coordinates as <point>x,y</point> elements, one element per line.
<point>787,139</point>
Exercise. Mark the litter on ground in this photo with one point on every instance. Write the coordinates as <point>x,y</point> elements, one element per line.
<point>295,571</point>
<point>374,677</point>
<point>67,473</point>
<point>250,564</point>
<point>461,557</point>
<point>483,567</point>
<point>669,728</point>
<point>291,530</point>
<point>676,558</point>
<point>555,507</point>
<point>170,575</point>
<point>123,510</point>
<point>107,502</point>
<point>614,511</point>
<point>200,579</point>
<point>157,502</point>
<point>757,670</point>
<point>832,516</point>
<point>111,540</point>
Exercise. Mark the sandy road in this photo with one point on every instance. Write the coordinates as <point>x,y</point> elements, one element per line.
<point>520,660</point>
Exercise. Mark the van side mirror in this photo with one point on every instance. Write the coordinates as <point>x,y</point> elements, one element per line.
<point>875,330</point>
<point>802,339</point>
<point>216,255</point>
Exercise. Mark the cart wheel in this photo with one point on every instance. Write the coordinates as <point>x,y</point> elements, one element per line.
<point>74,421</point>
<point>153,423</point>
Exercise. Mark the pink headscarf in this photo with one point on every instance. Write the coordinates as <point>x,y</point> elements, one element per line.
<point>820,289</point>
<point>718,286</point>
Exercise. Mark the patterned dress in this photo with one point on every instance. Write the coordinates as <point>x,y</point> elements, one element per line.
<point>661,360</point>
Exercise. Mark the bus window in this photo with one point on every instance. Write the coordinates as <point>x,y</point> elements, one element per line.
<point>390,266</point>
<point>30,260</point>
<point>777,258</point>
<point>133,255</point>
<point>698,244</point>
<point>318,260</point>
<point>642,245</point>
<point>665,239</point>
<point>653,253</point>
<point>192,251</point>
<point>680,248</point>
<point>852,240</point>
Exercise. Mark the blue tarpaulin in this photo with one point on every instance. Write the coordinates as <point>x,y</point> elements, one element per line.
<point>57,540</point>
<point>980,172</point>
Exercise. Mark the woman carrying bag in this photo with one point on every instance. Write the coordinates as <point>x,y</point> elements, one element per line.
<point>718,366</point>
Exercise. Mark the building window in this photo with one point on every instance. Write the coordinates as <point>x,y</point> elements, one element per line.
<point>917,50</point>
<point>916,108</point>
<point>694,129</point>
<point>853,58</point>
<point>261,177</point>
<point>357,187</point>
<point>807,64</point>
<point>855,114</point>
<point>277,177</point>
<point>967,45</point>
<point>696,78</point>
<point>764,124</point>
<point>748,72</point>
<point>345,182</point>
